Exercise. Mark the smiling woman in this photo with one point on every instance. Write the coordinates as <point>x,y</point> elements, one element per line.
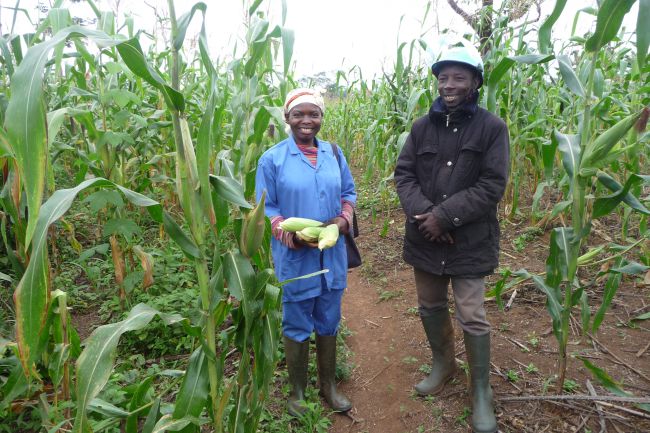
<point>303,178</point>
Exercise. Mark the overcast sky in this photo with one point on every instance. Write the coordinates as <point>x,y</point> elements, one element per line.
<point>330,34</point>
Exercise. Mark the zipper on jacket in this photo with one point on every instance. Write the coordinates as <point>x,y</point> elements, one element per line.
<point>448,119</point>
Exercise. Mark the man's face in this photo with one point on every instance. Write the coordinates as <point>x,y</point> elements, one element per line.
<point>455,84</point>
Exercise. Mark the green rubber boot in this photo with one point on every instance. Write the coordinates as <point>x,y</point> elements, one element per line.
<point>297,356</point>
<point>478,358</point>
<point>326,356</point>
<point>440,334</point>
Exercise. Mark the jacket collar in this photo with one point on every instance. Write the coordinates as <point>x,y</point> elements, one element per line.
<point>438,110</point>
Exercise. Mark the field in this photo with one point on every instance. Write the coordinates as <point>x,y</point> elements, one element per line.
<point>137,291</point>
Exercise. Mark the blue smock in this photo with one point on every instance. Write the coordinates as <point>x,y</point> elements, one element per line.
<point>295,188</point>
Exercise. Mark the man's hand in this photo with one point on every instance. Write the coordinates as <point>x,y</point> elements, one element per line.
<point>429,226</point>
<point>341,223</point>
<point>445,238</point>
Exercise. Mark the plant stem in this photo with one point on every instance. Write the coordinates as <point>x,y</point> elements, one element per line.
<point>201,264</point>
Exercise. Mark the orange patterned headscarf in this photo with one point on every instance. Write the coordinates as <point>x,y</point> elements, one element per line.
<point>304,95</point>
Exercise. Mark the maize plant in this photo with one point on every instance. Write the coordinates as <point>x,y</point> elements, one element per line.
<point>235,280</point>
<point>585,156</point>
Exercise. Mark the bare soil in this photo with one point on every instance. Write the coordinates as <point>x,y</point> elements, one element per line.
<point>390,351</point>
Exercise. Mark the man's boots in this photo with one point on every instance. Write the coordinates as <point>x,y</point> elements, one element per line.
<point>478,358</point>
<point>297,356</point>
<point>440,333</point>
<point>326,356</point>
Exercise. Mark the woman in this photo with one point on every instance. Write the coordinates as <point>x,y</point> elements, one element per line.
<point>303,178</point>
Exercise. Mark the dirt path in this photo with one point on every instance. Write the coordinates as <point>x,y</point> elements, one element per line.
<point>390,352</point>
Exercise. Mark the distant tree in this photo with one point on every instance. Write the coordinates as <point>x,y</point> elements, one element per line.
<point>481,20</point>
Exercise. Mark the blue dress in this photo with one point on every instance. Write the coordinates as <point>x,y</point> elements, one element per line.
<point>295,188</point>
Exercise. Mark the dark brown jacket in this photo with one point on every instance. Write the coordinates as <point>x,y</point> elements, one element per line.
<point>455,166</point>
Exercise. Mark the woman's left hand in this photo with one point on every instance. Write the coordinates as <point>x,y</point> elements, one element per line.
<point>341,223</point>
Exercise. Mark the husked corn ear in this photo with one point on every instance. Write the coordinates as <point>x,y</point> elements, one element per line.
<point>328,237</point>
<point>310,234</point>
<point>294,224</point>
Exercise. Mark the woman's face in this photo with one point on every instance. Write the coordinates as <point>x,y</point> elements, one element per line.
<point>305,121</point>
<point>455,84</point>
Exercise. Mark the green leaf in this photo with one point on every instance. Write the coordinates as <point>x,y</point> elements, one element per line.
<point>95,363</point>
<point>569,145</point>
<point>644,316</point>
<point>569,76</point>
<point>548,157</point>
<point>193,393</point>
<point>562,258</point>
<point>239,274</point>
<point>605,379</point>
<point>132,54</point>
<point>152,417</point>
<point>58,357</point>
<point>302,277</point>
<point>106,408</point>
<point>123,226</point>
<point>167,423</point>
<point>642,32</point>
<point>611,287</point>
<point>544,41</point>
<point>25,120</point>
<point>553,302</point>
<point>230,190</point>
<point>184,22</point>
<point>604,205</point>
<point>14,387</point>
<point>288,38</point>
<point>632,268</point>
<point>138,400</point>
<point>99,199</point>
<point>610,17</point>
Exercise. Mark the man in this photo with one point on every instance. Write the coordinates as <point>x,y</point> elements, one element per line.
<point>450,176</point>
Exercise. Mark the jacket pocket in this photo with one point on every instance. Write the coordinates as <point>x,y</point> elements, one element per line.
<point>427,157</point>
<point>469,163</point>
<point>476,237</point>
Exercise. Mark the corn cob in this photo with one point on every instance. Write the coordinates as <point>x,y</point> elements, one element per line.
<point>328,237</point>
<point>310,234</point>
<point>294,224</point>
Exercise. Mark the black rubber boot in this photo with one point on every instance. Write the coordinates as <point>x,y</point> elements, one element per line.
<point>478,358</point>
<point>440,334</point>
<point>297,356</point>
<point>326,356</point>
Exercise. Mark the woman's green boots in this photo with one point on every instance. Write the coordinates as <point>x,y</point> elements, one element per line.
<point>297,357</point>
<point>326,356</point>
<point>478,358</point>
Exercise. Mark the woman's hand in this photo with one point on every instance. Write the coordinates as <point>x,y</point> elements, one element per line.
<point>302,243</point>
<point>343,225</point>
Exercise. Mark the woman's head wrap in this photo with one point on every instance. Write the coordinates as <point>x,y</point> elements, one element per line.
<point>304,95</point>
